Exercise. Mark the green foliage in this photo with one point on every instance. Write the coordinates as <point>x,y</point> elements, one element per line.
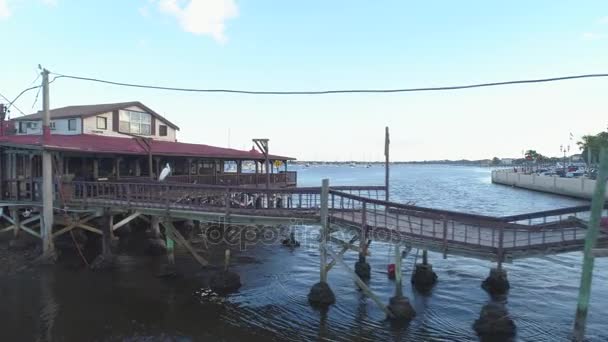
<point>593,142</point>
<point>495,161</point>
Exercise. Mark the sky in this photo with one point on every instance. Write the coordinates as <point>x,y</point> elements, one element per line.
<point>318,45</point>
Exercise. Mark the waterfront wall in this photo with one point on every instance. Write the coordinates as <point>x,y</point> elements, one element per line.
<point>575,187</point>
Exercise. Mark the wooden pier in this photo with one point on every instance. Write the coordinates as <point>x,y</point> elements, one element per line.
<point>350,207</point>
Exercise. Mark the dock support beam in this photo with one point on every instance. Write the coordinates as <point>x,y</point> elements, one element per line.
<point>423,277</point>
<point>597,206</point>
<point>399,305</point>
<point>362,268</point>
<point>105,260</point>
<point>321,294</point>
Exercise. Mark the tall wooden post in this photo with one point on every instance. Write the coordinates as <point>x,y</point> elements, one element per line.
<point>324,228</point>
<point>386,162</point>
<point>597,206</point>
<point>47,172</point>
<point>398,273</point>
<point>425,257</point>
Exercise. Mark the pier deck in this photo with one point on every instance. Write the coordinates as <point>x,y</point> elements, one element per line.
<point>358,209</point>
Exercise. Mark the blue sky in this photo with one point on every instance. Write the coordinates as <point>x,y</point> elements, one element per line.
<point>312,45</point>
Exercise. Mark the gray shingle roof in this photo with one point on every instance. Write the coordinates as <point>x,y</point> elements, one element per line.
<point>91,110</point>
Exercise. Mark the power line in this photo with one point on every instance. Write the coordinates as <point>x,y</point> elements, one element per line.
<point>325,92</point>
<point>11,103</point>
<point>17,108</point>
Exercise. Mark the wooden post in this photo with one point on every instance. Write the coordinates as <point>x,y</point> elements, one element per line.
<point>189,169</point>
<point>363,233</point>
<point>95,168</point>
<point>226,260</point>
<point>107,233</point>
<point>137,167</point>
<point>17,219</point>
<point>425,258</point>
<point>501,239</point>
<point>324,227</point>
<point>170,244</point>
<point>590,240</point>
<point>398,273</point>
<point>239,170</point>
<point>47,173</point>
<point>386,162</point>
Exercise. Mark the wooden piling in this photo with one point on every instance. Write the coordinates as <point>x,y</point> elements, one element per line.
<point>106,229</point>
<point>398,273</point>
<point>324,228</point>
<point>170,244</point>
<point>17,222</point>
<point>590,241</point>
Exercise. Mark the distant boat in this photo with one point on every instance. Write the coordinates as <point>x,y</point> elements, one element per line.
<point>369,165</point>
<point>353,164</point>
<point>307,165</point>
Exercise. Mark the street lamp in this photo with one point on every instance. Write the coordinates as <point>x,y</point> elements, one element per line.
<point>564,149</point>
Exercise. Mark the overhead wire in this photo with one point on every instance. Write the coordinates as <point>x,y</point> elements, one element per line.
<point>340,91</point>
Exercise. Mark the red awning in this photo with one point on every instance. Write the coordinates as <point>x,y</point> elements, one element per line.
<point>116,145</point>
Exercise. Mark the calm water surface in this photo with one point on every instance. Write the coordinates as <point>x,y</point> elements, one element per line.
<point>131,304</point>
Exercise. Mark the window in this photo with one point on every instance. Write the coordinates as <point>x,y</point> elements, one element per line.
<point>135,122</point>
<point>21,127</point>
<point>162,130</point>
<point>71,124</point>
<point>102,123</point>
<point>52,125</point>
<point>32,125</point>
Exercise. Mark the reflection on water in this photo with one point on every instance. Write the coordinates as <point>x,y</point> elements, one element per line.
<point>131,304</point>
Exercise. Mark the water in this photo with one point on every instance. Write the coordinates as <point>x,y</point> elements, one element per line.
<point>67,303</point>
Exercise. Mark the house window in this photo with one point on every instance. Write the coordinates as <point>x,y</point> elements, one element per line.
<point>162,130</point>
<point>32,125</point>
<point>71,124</point>
<point>102,123</point>
<point>135,122</point>
<point>52,125</point>
<point>21,127</point>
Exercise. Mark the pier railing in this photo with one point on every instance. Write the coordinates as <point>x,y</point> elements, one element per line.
<point>289,178</point>
<point>275,201</point>
<point>442,230</point>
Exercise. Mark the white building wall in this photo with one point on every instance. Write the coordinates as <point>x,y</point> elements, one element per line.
<point>90,127</point>
<point>61,127</point>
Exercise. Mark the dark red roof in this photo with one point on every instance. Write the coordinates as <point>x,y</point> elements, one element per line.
<point>116,145</point>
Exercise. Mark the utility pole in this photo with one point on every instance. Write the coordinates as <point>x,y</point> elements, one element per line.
<point>47,173</point>
<point>597,205</point>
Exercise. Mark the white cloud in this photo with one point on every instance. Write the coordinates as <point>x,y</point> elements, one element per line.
<point>5,12</point>
<point>202,17</point>
<point>593,36</point>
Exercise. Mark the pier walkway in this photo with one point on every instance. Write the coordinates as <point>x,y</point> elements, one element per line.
<point>356,208</point>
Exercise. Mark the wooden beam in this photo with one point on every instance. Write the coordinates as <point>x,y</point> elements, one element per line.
<point>368,292</point>
<point>341,253</point>
<point>182,241</point>
<point>89,228</point>
<point>126,220</point>
<point>348,245</point>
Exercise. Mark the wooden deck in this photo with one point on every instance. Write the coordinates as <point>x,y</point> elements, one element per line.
<point>359,209</point>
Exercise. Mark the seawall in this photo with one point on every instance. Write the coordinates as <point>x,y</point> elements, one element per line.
<point>574,187</point>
